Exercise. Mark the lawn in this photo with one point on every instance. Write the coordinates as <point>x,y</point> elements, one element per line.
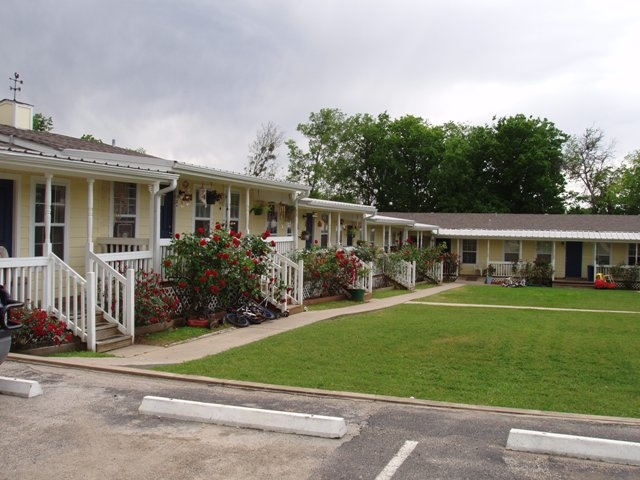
<point>584,298</point>
<point>548,360</point>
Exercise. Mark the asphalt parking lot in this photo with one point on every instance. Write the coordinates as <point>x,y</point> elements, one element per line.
<point>86,425</point>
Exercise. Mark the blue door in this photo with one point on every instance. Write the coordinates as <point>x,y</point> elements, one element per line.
<point>573,260</point>
<point>6,215</point>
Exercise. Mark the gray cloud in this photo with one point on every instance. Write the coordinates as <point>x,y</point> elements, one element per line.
<point>193,80</point>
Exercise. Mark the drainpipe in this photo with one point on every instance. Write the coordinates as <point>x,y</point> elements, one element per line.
<point>155,236</point>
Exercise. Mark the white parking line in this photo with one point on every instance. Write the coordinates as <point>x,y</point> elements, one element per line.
<point>397,460</point>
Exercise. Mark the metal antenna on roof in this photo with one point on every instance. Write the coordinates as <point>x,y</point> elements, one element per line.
<point>15,87</point>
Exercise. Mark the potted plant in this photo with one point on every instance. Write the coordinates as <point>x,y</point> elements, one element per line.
<point>491,270</point>
<point>305,235</point>
<point>258,208</point>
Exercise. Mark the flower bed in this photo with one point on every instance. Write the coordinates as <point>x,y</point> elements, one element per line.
<point>39,329</point>
<point>212,271</point>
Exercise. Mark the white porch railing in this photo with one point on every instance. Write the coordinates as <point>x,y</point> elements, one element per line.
<point>116,244</point>
<point>52,285</point>
<point>436,272</point>
<point>121,262</point>
<point>504,269</point>
<point>402,272</point>
<point>286,272</point>
<point>115,293</point>
<point>284,244</point>
<point>366,281</point>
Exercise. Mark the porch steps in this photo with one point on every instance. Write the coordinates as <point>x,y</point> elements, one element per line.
<point>108,337</point>
<point>572,282</point>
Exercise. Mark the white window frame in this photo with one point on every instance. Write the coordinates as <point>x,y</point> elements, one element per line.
<point>114,217</point>
<point>234,210</point>
<point>201,214</point>
<point>541,251</point>
<point>603,250</point>
<point>508,253</point>
<point>466,251</point>
<point>633,254</point>
<point>35,182</point>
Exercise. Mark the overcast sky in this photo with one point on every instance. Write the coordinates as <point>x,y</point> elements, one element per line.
<point>193,80</point>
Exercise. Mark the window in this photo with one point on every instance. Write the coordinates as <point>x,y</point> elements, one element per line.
<point>58,219</point>
<point>634,254</point>
<point>543,251</point>
<point>125,201</point>
<point>511,250</point>
<point>234,211</point>
<point>202,214</point>
<point>324,230</point>
<point>272,219</point>
<point>469,250</point>
<point>603,253</point>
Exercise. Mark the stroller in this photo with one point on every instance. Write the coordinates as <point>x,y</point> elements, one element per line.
<point>6,325</point>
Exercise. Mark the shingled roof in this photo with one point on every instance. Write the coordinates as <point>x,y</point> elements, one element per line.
<point>604,228</point>
<point>513,221</point>
<point>63,142</point>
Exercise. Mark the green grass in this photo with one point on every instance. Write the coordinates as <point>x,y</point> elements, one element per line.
<point>82,353</point>
<point>547,360</point>
<point>626,300</point>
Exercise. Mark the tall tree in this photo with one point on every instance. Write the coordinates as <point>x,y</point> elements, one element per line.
<point>263,152</point>
<point>526,170</point>
<point>589,161</point>
<point>41,123</point>
<point>317,166</point>
<point>626,189</point>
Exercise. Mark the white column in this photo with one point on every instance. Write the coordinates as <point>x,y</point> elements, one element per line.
<point>154,234</point>
<point>227,208</point>
<point>46,248</point>
<point>553,261</point>
<point>247,197</point>
<point>90,183</point>
<point>296,224</point>
<point>339,229</point>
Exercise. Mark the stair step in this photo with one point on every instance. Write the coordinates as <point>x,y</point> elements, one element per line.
<point>113,343</point>
<point>106,330</point>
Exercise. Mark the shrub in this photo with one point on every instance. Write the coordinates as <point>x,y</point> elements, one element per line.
<point>38,329</point>
<point>154,304</point>
<point>216,270</point>
<point>330,271</point>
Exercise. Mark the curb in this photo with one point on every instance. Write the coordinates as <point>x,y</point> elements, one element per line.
<point>590,448</point>
<point>233,416</point>
<point>19,387</point>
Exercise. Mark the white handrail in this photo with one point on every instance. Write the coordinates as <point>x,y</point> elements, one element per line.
<point>115,293</point>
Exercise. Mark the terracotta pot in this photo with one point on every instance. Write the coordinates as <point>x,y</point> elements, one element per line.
<point>198,322</point>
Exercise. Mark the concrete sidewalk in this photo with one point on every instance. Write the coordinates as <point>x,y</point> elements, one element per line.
<point>147,355</point>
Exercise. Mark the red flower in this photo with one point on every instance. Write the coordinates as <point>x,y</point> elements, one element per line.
<point>216,238</point>
<point>177,235</point>
<point>200,231</point>
<point>273,243</point>
<point>315,242</point>
<point>203,242</point>
<point>167,263</point>
<point>266,234</point>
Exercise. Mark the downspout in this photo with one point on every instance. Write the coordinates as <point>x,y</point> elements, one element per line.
<point>155,237</point>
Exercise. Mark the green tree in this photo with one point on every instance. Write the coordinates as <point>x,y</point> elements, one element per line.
<point>263,152</point>
<point>589,161</point>
<point>41,123</point>
<point>526,165</point>
<point>90,138</point>
<point>316,167</point>
<point>626,190</point>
